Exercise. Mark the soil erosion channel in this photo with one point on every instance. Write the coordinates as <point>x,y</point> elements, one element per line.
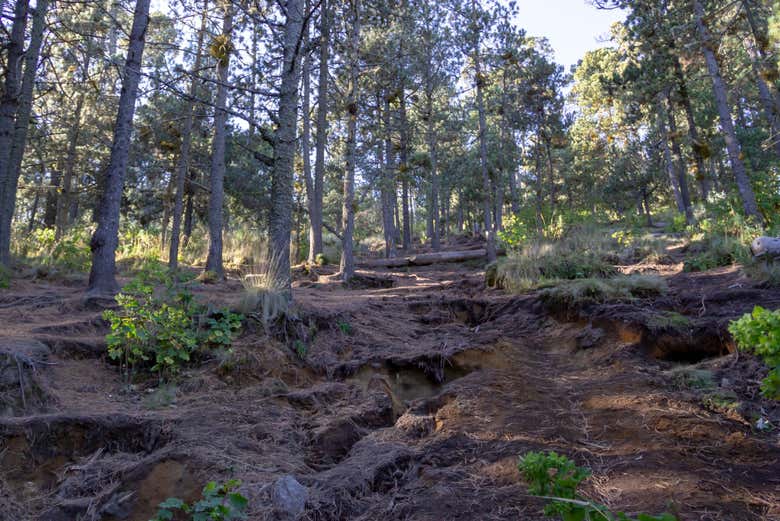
<point>413,401</point>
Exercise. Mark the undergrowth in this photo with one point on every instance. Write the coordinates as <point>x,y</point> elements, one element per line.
<point>555,477</point>
<point>581,252</point>
<point>573,295</point>
<point>161,330</point>
<point>759,332</point>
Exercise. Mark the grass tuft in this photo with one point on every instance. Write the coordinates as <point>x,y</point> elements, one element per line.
<point>575,294</point>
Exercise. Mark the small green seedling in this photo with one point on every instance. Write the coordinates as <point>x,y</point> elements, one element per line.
<point>219,503</point>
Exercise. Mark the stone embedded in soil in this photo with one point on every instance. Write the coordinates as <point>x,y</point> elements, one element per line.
<point>289,498</point>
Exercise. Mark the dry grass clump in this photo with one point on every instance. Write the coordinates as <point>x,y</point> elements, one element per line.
<point>265,290</point>
<point>583,254</point>
<point>575,294</point>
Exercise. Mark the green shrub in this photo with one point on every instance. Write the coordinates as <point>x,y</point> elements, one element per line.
<point>763,272</point>
<point>5,277</point>
<point>555,477</point>
<point>219,503</point>
<point>300,348</point>
<point>714,252</point>
<point>722,237</point>
<point>759,332</point>
<point>70,253</point>
<point>320,259</point>
<point>161,332</point>
<point>345,327</point>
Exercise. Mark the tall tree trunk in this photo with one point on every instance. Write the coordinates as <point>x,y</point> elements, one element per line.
<point>479,81</point>
<point>387,185</point>
<point>102,276</point>
<point>166,216</point>
<point>280,226</point>
<point>539,185</point>
<point>669,162</point>
<point>403,167</point>
<point>693,132</point>
<point>396,213</point>
<point>183,165</point>
<point>315,240</point>
<point>435,232</point>
<point>34,208</point>
<point>306,137</point>
<point>726,123</point>
<point>550,173</point>
<point>189,209</point>
<point>217,177</point>
<point>767,61</point>
<point>64,200</point>
<point>768,100</point>
<point>348,211</point>
<point>9,108</point>
<point>22,124</point>
<point>52,195</point>
<point>679,162</point>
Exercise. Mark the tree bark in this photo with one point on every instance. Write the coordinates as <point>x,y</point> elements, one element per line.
<point>768,100</point>
<point>669,162</point>
<point>726,123</point>
<point>682,180</point>
<point>22,123</point>
<point>64,200</point>
<point>217,178</point>
<point>425,259</point>
<point>306,137</point>
<point>9,108</point>
<point>102,276</point>
<point>280,226</point>
<point>483,155</point>
<point>403,168</point>
<point>387,183</point>
<point>696,143</point>
<point>183,165</point>
<point>766,247</point>
<point>315,240</point>
<point>348,211</point>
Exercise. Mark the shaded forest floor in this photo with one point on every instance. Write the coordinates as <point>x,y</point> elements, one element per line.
<point>416,394</point>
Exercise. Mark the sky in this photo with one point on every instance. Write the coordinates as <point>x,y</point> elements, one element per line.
<point>572,26</point>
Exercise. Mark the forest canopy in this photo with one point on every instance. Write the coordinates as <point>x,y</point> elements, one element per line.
<point>319,129</point>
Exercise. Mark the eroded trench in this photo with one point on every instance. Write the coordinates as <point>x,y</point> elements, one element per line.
<point>114,467</point>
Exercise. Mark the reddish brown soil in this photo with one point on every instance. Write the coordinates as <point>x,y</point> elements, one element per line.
<point>417,410</point>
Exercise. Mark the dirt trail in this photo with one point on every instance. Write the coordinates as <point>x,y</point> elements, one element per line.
<point>413,402</point>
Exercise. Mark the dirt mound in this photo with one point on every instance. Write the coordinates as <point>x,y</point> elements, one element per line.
<point>21,391</point>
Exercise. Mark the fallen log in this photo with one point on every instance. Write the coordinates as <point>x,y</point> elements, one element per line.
<point>766,247</point>
<point>425,259</point>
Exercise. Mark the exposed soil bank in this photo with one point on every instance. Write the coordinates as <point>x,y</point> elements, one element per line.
<point>413,402</point>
